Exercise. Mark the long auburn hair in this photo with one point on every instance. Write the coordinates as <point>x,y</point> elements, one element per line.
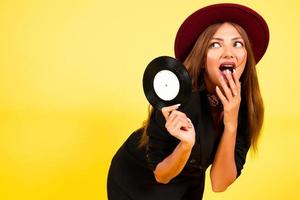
<point>250,92</point>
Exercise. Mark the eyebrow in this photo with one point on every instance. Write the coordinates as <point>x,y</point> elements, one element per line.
<point>220,39</point>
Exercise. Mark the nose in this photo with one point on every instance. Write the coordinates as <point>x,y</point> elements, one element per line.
<point>228,53</point>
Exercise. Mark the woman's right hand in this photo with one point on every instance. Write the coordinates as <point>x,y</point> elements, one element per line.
<point>179,125</point>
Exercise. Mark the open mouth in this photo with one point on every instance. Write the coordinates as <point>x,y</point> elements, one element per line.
<point>224,67</point>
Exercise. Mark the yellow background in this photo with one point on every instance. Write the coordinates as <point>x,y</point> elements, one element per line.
<point>71,93</point>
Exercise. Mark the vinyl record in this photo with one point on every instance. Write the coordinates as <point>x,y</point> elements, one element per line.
<point>166,82</point>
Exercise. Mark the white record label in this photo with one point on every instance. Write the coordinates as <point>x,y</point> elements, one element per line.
<point>166,85</point>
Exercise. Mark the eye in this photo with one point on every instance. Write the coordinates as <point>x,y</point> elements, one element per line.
<point>238,44</point>
<point>215,45</point>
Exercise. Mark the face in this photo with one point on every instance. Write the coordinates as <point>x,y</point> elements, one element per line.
<point>226,50</point>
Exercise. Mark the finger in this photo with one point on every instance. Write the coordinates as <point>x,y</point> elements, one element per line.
<point>183,120</point>
<point>237,81</point>
<point>171,119</point>
<point>228,93</point>
<point>167,110</point>
<point>190,122</point>
<point>221,96</point>
<point>187,122</point>
<point>232,85</point>
<point>174,114</point>
<point>175,127</point>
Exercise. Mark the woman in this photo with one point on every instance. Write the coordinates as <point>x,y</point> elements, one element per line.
<point>168,156</point>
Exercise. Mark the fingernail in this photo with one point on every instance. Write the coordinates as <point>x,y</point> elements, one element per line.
<point>177,105</point>
<point>233,70</point>
<point>227,71</point>
<point>217,88</point>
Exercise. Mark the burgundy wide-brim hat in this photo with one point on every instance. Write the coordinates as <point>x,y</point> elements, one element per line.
<point>254,25</point>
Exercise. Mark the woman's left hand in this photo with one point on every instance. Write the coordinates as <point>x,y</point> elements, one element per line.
<point>230,98</point>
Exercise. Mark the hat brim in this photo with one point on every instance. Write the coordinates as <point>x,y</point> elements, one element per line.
<point>254,25</point>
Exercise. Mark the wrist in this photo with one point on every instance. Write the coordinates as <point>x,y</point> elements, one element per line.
<point>187,146</point>
<point>230,128</point>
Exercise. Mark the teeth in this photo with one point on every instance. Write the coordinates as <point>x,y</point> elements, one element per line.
<point>227,65</point>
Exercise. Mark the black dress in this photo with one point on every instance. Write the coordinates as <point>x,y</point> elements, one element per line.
<point>131,171</point>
